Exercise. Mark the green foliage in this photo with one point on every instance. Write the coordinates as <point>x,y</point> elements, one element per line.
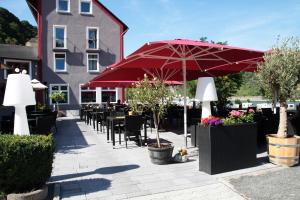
<point>25,162</point>
<point>153,95</point>
<point>14,31</point>
<point>41,107</point>
<point>250,85</point>
<point>226,87</point>
<point>280,73</point>
<point>57,96</point>
<point>238,118</point>
<point>238,101</point>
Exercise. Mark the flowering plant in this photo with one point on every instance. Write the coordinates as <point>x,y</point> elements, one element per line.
<point>212,120</point>
<point>238,117</point>
<point>182,151</point>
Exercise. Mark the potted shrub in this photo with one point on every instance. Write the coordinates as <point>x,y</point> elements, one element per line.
<point>279,75</point>
<point>228,144</point>
<point>25,166</point>
<point>153,95</point>
<point>56,97</point>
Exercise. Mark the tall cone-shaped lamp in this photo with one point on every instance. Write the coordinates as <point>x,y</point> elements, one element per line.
<point>206,92</point>
<point>19,93</point>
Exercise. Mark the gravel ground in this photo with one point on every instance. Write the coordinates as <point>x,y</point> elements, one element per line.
<point>283,184</point>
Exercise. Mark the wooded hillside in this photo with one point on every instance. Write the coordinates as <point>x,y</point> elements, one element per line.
<point>14,31</point>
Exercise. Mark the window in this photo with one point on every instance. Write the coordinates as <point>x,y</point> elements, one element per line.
<point>85,6</point>
<point>22,65</point>
<point>92,62</point>
<point>59,37</point>
<point>60,62</point>
<point>92,38</point>
<point>63,5</point>
<point>63,88</point>
<point>109,94</point>
<point>87,95</point>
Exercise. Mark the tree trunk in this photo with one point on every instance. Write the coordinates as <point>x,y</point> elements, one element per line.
<point>156,123</point>
<point>57,107</point>
<point>282,128</point>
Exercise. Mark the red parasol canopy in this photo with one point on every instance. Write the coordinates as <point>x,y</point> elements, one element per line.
<point>165,59</point>
<point>182,60</point>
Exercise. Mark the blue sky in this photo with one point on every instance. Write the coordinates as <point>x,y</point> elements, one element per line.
<point>245,23</point>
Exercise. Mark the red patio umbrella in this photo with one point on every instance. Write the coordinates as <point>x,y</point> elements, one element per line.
<point>121,84</point>
<point>182,60</point>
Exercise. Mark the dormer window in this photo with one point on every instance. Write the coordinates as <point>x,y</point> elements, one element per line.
<point>85,6</point>
<point>63,6</point>
<point>92,38</point>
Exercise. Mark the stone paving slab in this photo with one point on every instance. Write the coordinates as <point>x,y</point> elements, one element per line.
<point>87,167</point>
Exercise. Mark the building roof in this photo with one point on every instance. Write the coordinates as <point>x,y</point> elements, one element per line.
<point>33,5</point>
<point>18,52</point>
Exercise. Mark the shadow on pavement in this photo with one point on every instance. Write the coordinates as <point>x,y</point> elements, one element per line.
<point>104,170</point>
<point>75,189</point>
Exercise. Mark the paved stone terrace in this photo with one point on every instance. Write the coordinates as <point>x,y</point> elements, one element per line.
<point>87,167</point>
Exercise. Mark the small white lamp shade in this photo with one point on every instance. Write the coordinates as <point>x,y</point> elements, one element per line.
<point>206,89</point>
<point>206,92</point>
<point>19,93</point>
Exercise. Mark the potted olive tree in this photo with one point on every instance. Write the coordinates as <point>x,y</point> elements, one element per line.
<point>279,75</point>
<point>56,97</point>
<point>153,95</point>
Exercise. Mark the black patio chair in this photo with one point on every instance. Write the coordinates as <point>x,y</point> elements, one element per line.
<point>132,128</point>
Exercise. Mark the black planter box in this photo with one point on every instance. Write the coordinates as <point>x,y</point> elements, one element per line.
<point>226,148</point>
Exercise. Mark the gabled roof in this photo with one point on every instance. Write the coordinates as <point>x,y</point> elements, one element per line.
<point>18,52</point>
<point>33,5</point>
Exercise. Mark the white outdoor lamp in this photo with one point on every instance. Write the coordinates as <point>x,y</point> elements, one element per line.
<point>19,93</point>
<point>206,92</point>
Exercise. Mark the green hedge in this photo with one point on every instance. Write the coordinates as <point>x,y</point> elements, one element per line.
<point>25,162</point>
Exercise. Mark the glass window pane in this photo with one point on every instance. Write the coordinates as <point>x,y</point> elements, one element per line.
<point>54,87</point>
<point>92,65</point>
<point>63,5</point>
<point>92,34</point>
<point>88,97</point>
<point>85,7</point>
<point>92,38</point>
<point>93,56</point>
<point>60,62</point>
<point>109,95</point>
<point>13,65</point>
<point>64,87</point>
<point>59,37</point>
<point>92,44</point>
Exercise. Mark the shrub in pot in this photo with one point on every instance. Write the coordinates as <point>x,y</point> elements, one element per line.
<point>227,144</point>
<point>279,75</point>
<point>153,95</point>
<point>25,162</point>
<point>56,97</point>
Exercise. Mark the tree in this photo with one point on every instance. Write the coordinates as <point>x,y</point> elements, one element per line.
<point>14,31</point>
<point>279,75</point>
<point>152,94</point>
<point>56,97</point>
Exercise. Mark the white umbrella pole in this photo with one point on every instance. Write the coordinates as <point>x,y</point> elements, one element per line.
<point>184,101</point>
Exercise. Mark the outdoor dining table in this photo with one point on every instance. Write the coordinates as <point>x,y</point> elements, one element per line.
<point>112,120</point>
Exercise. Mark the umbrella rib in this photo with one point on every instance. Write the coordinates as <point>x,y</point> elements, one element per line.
<point>242,61</point>
<point>166,62</point>
<point>171,47</point>
<point>196,62</point>
<point>201,51</point>
<point>148,52</point>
